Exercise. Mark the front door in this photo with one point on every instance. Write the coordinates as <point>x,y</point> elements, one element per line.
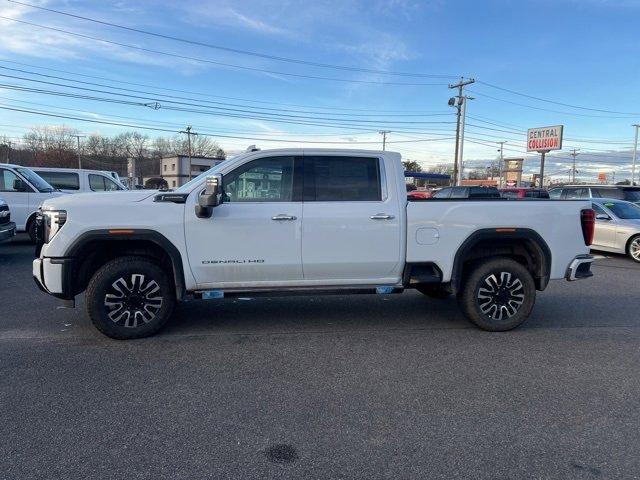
<point>255,235</point>
<point>351,233</point>
<point>18,201</point>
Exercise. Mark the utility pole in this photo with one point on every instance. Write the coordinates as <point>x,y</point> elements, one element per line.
<point>384,138</point>
<point>189,133</point>
<point>459,104</point>
<point>501,150</point>
<point>78,137</point>
<point>574,154</point>
<point>635,154</point>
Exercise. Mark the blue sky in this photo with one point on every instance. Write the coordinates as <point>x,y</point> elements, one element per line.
<point>583,53</point>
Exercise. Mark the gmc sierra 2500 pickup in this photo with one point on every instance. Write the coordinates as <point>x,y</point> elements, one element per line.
<point>306,221</point>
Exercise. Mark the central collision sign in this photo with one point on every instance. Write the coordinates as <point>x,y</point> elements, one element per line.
<point>544,139</point>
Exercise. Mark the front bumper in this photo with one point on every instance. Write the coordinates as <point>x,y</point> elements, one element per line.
<point>580,267</point>
<point>53,276</point>
<point>7,231</point>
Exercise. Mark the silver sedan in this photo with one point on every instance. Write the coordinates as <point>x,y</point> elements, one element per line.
<point>617,227</point>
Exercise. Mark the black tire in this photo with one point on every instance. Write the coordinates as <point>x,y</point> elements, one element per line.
<point>632,248</point>
<point>126,287</point>
<point>31,230</point>
<point>498,294</point>
<point>435,291</point>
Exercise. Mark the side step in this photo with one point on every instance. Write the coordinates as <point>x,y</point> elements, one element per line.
<point>297,291</point>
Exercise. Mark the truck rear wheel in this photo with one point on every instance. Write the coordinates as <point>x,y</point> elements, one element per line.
<point>130,297</point>
<point>498,294</point>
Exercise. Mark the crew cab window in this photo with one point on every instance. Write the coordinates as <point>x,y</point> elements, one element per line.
<point>342,179</point>
<point>6,180</point>
<point>62,180</point>
<point>263,180</point>
<point>98,183</point>
<point>536,194</point>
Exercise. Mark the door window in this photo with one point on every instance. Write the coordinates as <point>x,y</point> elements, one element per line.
<point>598,209</point>
<point>62,180</point>
<point>555,194</point>
<point>459,192</point>
<point>342,179</point>
<point>575,193</point>
<point>263,180</point>
<point>99,183</point>
<point>444,193</point>
<point>6,180</point>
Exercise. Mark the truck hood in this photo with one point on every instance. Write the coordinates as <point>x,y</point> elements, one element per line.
<point>107,198</point>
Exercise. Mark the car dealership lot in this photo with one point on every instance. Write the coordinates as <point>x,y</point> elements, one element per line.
<point>328,387</point>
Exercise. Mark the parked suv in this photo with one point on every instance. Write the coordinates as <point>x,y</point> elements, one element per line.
<point>72,180</point>
<point>524,193</point>
<point>616,192</point>
<point>467,192</point>
<point>7,227</point>
<point>24,191</point>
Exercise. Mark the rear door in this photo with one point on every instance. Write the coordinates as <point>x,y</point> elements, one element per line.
<point>351,221</point>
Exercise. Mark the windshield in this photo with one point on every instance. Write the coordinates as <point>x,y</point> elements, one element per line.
<point>624,210</point>
<point>35,180</point>
<point>189,185</point>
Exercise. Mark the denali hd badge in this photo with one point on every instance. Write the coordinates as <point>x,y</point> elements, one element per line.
<point>215,262</point>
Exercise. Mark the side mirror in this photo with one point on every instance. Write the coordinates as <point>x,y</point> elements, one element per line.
<point>19,185</point>
<point>603,216</point>
<point>211,197</point>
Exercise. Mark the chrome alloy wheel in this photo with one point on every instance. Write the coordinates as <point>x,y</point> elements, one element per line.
<point>634,249</point>
<point>134,302</point>
<point>500,296</point>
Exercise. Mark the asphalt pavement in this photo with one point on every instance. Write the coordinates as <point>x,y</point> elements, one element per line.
<point>353,387</point>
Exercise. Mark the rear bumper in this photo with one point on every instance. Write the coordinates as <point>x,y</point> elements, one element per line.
<point>7,231</point>
<point>579,268</point>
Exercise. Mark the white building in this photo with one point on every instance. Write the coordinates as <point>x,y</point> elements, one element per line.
<point>175,170</point>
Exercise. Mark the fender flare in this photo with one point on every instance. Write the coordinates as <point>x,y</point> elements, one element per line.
<point>136,234</point>
<point>504,233</point>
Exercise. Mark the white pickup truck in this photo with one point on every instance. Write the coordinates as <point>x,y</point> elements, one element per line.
<point>309,222</point>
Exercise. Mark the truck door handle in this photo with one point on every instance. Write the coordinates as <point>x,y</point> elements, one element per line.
<point>283,216</point>
<point>381,216</point>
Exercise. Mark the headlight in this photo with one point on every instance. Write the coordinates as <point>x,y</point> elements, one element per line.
<point>52,222</point>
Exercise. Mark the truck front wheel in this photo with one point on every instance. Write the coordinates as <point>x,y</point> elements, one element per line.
<point>498,294</point>
<point>130,297</point>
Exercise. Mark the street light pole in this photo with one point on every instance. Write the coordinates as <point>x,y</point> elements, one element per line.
<point>635,154</point>
<point>78,150</point>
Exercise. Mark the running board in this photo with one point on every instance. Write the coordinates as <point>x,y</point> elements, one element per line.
<point>296,291</point>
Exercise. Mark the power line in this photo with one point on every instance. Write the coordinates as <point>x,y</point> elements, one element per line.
<point>544,109</point>
<point>552,101</point>
<point>143,127</point>
<point>202,94</point>
<point>234,50</point>
<point>213,62</point>
<point>261,109</point>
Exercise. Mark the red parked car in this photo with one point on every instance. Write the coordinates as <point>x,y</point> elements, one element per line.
<point>524,193</point>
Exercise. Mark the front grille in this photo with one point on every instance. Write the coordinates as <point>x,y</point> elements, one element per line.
<point>5,215</point>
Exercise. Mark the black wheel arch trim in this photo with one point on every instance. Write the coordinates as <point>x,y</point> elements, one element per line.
<point>541,278</point>
<point>136,234</point>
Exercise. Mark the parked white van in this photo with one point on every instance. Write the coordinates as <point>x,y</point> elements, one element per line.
<point>74,180</point>
<point>24,191</point>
